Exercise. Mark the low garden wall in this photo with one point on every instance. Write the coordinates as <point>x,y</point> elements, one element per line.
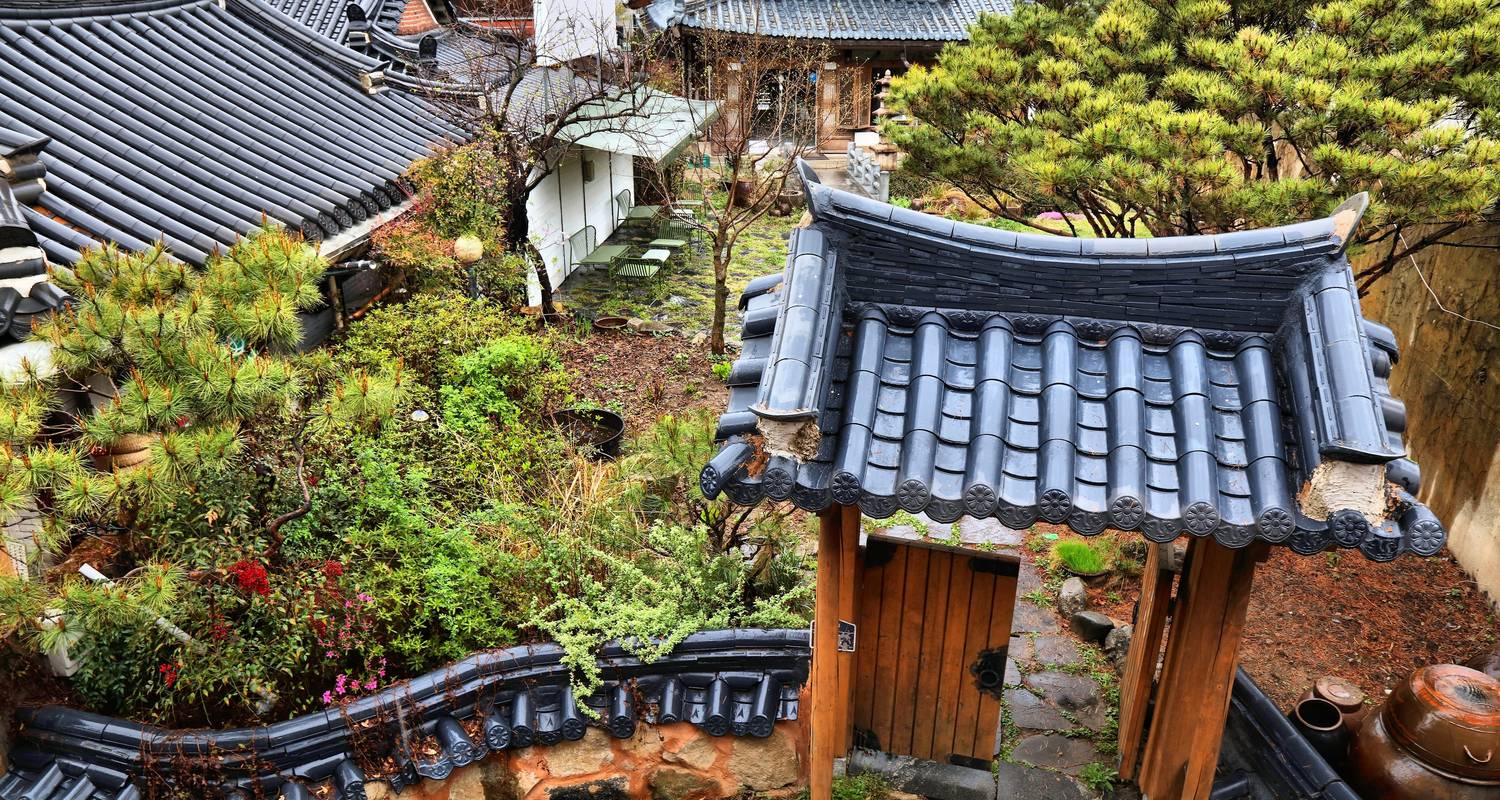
<point>666,762</point>
<point>716,716</point>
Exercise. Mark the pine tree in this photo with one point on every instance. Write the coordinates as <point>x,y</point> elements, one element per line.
<point>1155,117</point>
<point>188,363</point>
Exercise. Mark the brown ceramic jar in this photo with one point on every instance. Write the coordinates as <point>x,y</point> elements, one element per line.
<point>1436,738</point>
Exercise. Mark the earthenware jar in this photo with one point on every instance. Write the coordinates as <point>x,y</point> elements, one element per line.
<point>1322,725</point>
<point>1436,738</point>
<point>1343,694</point>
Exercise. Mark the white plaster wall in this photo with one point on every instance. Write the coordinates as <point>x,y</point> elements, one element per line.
<point>562,204</point>
<point>569,29</point>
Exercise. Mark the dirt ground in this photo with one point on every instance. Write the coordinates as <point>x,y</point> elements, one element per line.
<point>642,377</point>
<point>1341,614</point>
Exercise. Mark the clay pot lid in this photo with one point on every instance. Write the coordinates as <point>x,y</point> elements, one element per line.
<point>1340,692</point>
<point>1449,717</point>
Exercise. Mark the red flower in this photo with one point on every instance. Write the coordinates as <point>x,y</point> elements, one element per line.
<point>251,576</point>
<point>332,569</point>
<point>168,674</point>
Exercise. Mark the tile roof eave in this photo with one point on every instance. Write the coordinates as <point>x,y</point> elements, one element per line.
<point>730,682</point>
<point>806,381</point>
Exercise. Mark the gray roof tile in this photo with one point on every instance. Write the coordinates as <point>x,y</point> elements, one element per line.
<point>839,20</point>
<point>1129,384</point>
<point>730,682</point>
<point>187,121</point>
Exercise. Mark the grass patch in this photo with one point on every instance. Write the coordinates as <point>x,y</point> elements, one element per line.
<point>1079,556</point>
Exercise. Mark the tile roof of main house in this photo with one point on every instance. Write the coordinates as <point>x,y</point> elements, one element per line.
<point>187,120</point>
<point>1171,385</point>
<point>838,20</point>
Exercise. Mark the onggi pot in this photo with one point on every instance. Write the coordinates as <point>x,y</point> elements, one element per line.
<point>1436,738</point>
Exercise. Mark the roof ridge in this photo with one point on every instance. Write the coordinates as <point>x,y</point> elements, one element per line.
<point>1335,230</point>
<point>62,11</point>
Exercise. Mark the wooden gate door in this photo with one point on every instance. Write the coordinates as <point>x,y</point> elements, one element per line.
<point>933,628</point>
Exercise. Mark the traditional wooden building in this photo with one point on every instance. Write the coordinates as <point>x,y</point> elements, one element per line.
<point>1223,388</point>
<point>865,40</point>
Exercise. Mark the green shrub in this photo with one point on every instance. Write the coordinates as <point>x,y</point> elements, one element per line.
<point>503,383</point>
<point>464,191</point>
<point>1078,556</point>
<point>427,334</point>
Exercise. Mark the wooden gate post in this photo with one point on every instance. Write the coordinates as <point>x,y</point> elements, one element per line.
<point>1192,697</point>
<point>827,728</point>
<point>1140,663</point>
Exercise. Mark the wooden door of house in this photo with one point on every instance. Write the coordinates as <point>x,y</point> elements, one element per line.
<point>933,628</point>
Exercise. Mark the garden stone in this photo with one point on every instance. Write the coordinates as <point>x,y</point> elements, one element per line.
<point>675,783</point>
<point>1028,579</point>
<point>1056,650</point>
<point>698,753</point>
<point>1012,673</point>
<point>465,784</point>
<point>579,757</point>
<point>764,764</point>
<point>1033,713</point>
<point>1030,618</point>
<point>1020,648</point>
<point>500,781</point>
<point>1073,597</point>
<point>1057,752</point>
<point>1020,782</point>
<point>1091,626</point>
<point>609,789</point>
<point>1117,645</point>
<point>1073,692</point>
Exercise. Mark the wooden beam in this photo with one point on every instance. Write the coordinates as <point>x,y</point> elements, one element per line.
<point>1192,698</point>
<point>1140,664</point>
<point>824,690</point>
<point>850,573</point>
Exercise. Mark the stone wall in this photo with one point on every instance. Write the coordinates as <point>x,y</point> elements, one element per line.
<point>665,762</point>
<point>1449,378</point>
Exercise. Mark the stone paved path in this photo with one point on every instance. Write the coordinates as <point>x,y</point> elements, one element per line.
<point>1051,705</point>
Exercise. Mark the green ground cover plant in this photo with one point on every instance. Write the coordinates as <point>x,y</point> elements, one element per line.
<point>311,528</point>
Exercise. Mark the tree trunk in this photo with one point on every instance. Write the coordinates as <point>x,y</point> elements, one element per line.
<point>721,299</point>
<point>518,240</point>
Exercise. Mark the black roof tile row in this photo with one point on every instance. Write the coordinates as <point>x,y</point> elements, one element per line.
<point>1172,385</point>
<point>729,683</point>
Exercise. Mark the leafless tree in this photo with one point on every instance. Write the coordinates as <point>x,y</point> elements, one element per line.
<point>529,87</point>
<point>768,93</point>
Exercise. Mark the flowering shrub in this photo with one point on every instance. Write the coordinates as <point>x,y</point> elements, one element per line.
<point>251,577</point>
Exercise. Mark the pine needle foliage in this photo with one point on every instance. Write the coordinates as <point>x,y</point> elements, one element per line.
<point>1163,117</point>
<point>192,363</point>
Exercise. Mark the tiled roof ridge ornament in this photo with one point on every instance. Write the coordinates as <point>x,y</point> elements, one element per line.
<point>728,682</point>
<point>1221,385</point>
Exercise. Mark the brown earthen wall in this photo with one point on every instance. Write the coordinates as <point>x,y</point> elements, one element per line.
<point>665,762</point>
<point>1449,378</point>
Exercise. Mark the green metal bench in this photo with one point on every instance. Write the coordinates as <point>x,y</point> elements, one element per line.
<point>645,265</point>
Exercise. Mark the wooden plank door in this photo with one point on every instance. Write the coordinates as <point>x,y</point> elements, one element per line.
<point>930,665</point>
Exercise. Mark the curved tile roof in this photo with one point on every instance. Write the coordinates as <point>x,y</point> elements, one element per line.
<point>1171,385</point>
<point>841,20</point>
<point>729,682</point>
<point>187,120</point>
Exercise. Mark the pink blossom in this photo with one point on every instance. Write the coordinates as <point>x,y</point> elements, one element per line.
<point>328,698</point>
<point>370,685</point>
